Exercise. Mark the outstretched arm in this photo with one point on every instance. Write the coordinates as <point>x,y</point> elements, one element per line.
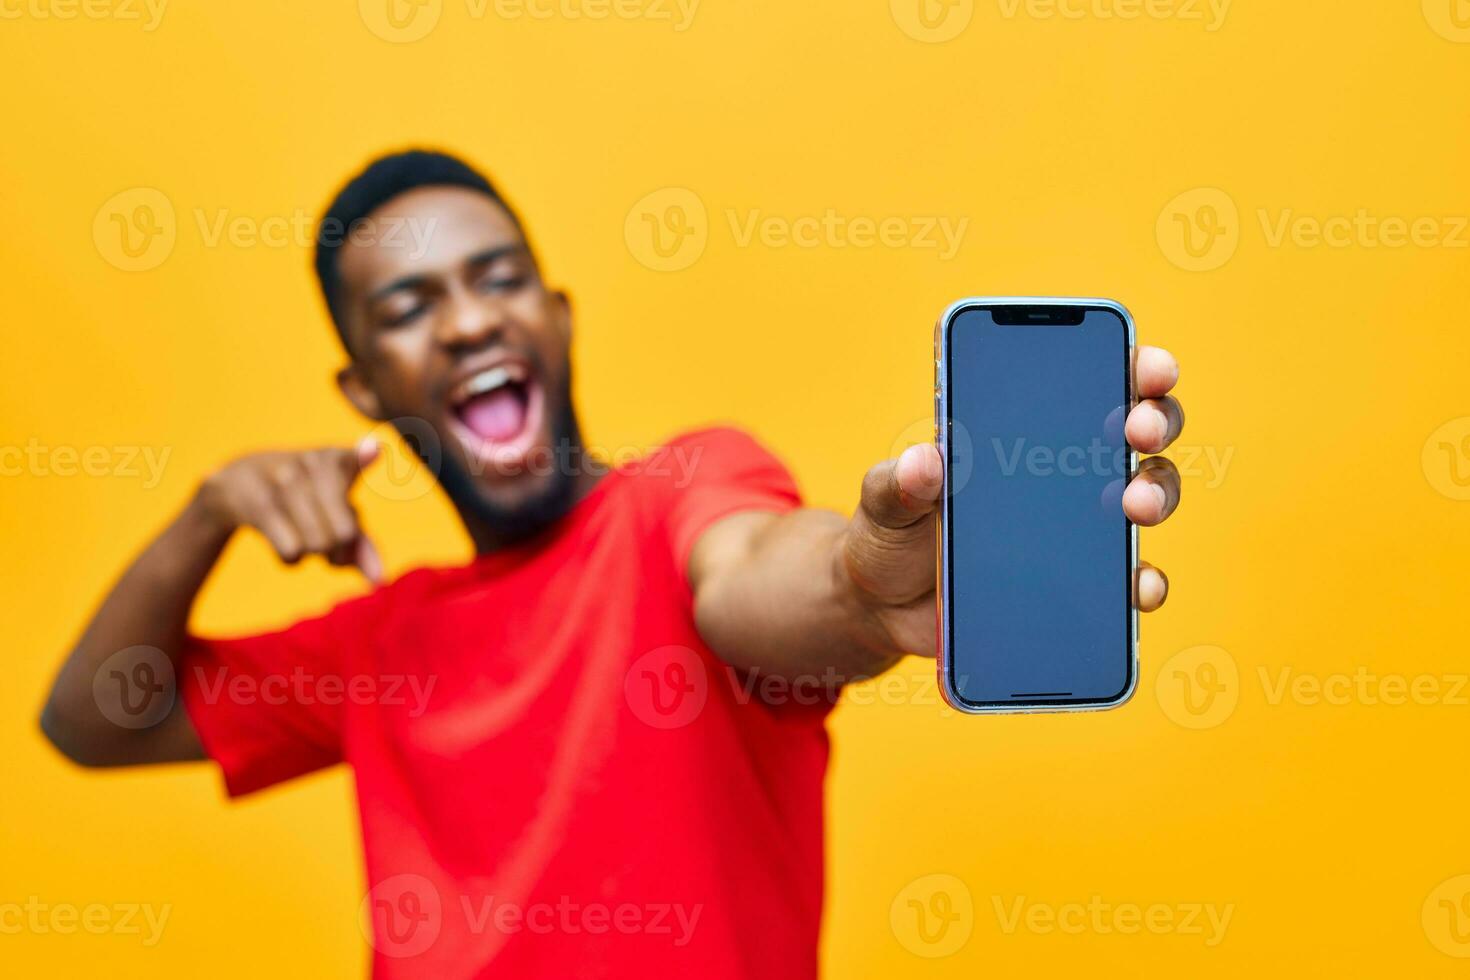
<point>811,595</point>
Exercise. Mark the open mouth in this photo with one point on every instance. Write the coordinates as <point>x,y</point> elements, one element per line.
<point>496,412</point>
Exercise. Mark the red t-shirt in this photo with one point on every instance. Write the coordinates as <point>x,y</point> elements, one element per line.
<point>556,777</point>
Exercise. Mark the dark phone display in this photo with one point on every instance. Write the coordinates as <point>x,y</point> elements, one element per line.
<point>1039,549</point>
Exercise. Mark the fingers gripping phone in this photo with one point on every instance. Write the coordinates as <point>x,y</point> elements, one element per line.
<point>1036,558</point>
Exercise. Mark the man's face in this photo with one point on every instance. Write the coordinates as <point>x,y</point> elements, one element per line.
<point>455,337</point>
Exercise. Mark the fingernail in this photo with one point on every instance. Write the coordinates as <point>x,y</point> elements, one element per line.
<point>368,561</point>
<point>1160,496</point>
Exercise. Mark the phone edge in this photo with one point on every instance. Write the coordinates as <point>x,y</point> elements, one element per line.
<point>941,436</point>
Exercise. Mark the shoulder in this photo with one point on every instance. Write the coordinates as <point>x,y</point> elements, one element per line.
<point>712,454</point>
<point>716,435</point>
<point>707,474</point>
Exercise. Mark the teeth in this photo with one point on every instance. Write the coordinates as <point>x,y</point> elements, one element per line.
<point>485,381</point>
<point>488,380</point>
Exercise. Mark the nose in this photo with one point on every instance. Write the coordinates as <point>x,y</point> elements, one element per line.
<point>469,319</point>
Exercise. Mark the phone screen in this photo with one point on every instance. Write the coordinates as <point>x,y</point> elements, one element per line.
<point>1039,552</point>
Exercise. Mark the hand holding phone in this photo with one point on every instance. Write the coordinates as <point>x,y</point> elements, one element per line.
<point>1042,406</point>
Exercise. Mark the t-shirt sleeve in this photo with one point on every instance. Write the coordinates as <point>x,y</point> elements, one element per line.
<point>716,473</point>
<point>270,707</point>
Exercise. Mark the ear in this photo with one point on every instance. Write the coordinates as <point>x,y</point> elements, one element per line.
<point>362,397</point>
<point>561,313</point>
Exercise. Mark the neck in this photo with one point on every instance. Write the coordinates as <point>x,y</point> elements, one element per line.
<point>489,537</point>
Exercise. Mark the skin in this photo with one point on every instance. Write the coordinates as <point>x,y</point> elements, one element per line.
<point>810,593</point>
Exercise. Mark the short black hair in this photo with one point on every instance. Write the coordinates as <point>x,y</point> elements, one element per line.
<point>379,182</point>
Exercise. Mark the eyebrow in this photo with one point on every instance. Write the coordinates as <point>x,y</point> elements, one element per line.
<point>481,258</point>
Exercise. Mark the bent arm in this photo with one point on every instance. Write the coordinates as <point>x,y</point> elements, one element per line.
<point>149,606</point>
<point>297,499</point>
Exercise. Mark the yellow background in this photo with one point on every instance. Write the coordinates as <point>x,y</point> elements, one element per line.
<point>1323,548</point>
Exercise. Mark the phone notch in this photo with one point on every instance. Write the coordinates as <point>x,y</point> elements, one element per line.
<point>1038,316</point>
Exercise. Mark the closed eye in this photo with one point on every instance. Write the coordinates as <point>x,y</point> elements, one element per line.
<point>500,270</point>
<point>399,315</point>
<point>408,316</point>
<point>497,284</point>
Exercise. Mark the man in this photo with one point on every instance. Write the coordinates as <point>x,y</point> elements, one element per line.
<point>598,748</point>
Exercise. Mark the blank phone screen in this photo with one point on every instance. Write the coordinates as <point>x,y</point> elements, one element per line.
<point>1040,553</point>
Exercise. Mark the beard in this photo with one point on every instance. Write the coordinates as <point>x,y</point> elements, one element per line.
<point>562,462</point>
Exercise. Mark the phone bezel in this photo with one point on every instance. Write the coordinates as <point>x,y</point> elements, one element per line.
<point>944,625</point>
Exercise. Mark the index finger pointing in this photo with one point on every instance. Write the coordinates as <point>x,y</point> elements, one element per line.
<point>351,462</point>
<point>1155,372</point>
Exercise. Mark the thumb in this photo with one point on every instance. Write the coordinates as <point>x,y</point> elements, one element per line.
<point>901,492</point>
<point>890,550</point>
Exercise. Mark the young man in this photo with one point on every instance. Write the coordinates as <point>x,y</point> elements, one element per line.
<point>598,748</point>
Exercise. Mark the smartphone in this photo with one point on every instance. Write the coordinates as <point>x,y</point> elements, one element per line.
<point>1037,560</point>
